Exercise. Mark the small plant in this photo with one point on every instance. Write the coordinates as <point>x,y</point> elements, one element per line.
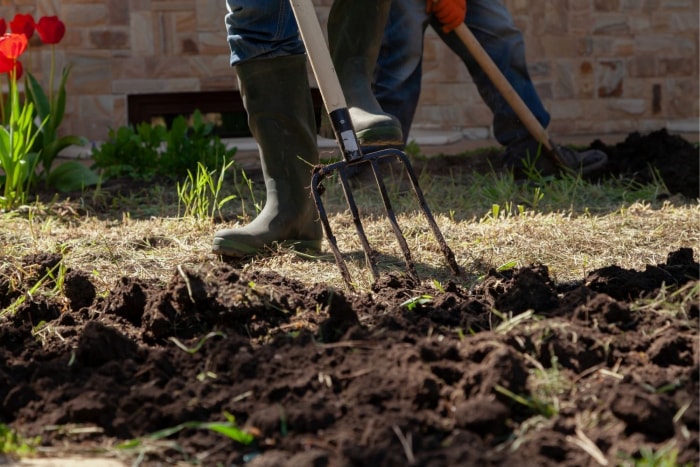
<point>200,192</point>
<point>666,456</point>
<point>46,110</point>
<point>535,404</point>
<point>50,108</point>
<point>412,303</point>
<point>13,443</point>
<point>227,428</point>
<point>146,151</point>
<point>198,346</point>
<point>249,185</point>
<point>17,159</point>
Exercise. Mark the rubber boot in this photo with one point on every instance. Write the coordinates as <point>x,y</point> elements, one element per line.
<point>276,95</point>
<point>355,31</point>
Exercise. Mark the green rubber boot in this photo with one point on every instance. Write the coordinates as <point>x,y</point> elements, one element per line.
<point>355,31</point>
<point>276,95</point>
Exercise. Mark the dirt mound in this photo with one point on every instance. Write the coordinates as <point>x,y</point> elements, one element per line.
<point>642,158</point>
<point>560,375</point>
<point>646,157</point>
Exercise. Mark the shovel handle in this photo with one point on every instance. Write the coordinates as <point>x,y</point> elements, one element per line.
<point>318,55</point>
<point>328,83</point>
<point>504,87</point>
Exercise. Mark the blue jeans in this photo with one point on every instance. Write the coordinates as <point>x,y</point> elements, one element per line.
<point>399,68</point>
<point>261,29</point>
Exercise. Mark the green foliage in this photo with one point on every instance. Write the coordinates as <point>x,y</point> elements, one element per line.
<point>227,428</point>
<point>535,404</point>
<point>415,302</point>
<point>146,151</point>
<point>13,443</point>
<point>17,159</point>
<point>666,456</point>
<point>198,346</point>
<point>200,192</point>
<point>69,176</point>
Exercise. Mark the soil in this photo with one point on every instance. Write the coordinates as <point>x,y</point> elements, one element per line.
<point>563,374</point>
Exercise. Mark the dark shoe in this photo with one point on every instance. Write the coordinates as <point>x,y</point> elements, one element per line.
<point>528,157</point>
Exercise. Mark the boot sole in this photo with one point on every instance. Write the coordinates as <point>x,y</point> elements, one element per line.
<point>233,249</point>
<point>380,138</point>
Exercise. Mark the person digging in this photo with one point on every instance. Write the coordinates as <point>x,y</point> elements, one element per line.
<point>273,82</point>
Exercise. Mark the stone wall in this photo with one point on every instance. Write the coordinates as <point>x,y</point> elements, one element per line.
<point>601,66</point>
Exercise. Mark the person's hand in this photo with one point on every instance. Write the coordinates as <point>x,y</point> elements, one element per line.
<point>450,13</point>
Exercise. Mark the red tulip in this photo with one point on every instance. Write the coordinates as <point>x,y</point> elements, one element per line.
<point>3,26</point>
<point>50,29</point>
<point>8,64</point>
<point>22,24</point>
<point>13,45</point>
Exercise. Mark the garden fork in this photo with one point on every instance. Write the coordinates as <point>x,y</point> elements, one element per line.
<point>336,106</point>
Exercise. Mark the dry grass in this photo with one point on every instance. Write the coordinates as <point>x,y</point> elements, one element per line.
<point>574,228</point>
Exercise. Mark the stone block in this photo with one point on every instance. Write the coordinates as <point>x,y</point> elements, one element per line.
<point>643,66</point>
<point>606,5</point>
<point>173,5</point>
<point>109,39</point>
<point>628,106</point>
<point>143,33</point>
<point>90,74</point>
<point>117,12</point>
<point>210,15</point>
<point>85,15</point>
<point>565,85</point>
<point>566,109</point>
<point>632,6</point>
<point>610,76</point>
<point>611,25</point>
<point>212,43</point>
<point>677,66</point>
<point>143,86</point>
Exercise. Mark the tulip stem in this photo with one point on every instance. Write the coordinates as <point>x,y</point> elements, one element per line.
<point>51,72</point>
<point>2,105</point>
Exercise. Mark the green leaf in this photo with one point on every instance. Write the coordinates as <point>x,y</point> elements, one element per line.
<point>414,302</point>
<point>51,150</point>
<point>59,107</point>
<point>72,176</point>
<point>231,431</point>
<point>39,98</point>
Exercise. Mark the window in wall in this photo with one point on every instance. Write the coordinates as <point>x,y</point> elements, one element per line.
<point>223,108</point>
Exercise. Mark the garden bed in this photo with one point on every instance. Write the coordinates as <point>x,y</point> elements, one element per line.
<point>515,369</point>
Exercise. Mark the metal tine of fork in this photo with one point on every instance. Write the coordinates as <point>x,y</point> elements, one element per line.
<point>410,265</point>
<point>444,247</point>
<point>370,254</point>
<point>317,189</point>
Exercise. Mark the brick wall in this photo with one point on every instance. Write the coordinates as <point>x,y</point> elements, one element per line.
<point>601,66</point>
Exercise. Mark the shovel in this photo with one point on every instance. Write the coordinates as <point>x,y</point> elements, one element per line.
<point>336,106</point>
<point>504,87</point>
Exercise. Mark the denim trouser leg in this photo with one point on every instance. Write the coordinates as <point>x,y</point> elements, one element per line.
<point>261,29</point>
<point>398,76</point>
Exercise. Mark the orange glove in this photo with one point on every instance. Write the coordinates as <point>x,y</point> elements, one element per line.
<point>450,13</point>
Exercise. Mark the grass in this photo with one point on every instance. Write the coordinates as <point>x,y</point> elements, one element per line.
<point>489,220</point>
<point>14,444</point>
